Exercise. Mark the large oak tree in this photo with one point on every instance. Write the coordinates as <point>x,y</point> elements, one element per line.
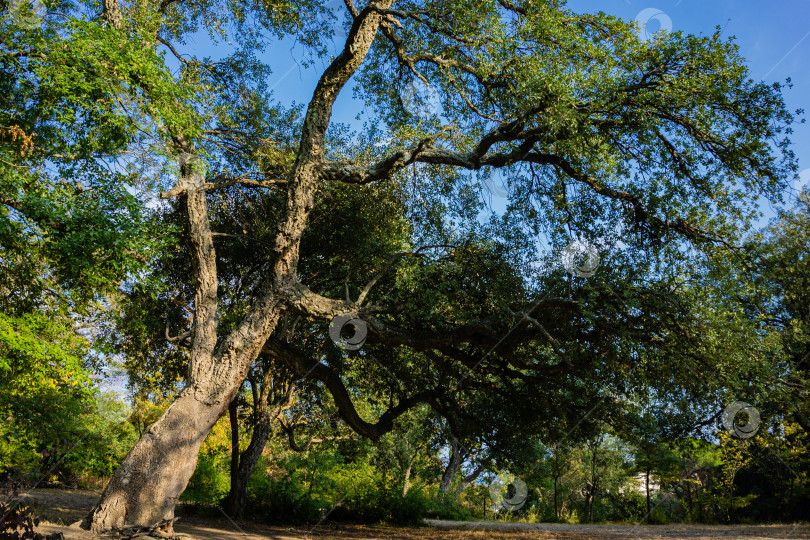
<point>655,151</point>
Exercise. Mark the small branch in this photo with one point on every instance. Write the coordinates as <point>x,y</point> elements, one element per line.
<point>175,53</point>
<point>388,266</point>
<point>177,338</point>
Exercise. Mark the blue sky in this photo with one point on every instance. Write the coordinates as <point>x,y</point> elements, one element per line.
<point>774,37</point>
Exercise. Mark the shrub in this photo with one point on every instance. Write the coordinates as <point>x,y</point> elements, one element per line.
<point>630,507</point>
<point>210,481</point>
<point>445,506</point>
<point>17,522</point>
<point>375,503</point>
<point>351,493</point>
<point>282,497</point>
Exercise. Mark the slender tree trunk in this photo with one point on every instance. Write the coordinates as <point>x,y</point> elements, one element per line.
<point>233,416</point>
<point>266,416</point>
<point>556,512</point>
<point>648,493</point>
<point>588,498</point>
<point>453,465</point>
<point>407,483</point>
<point>237,499</point>
<point>732,512</point>
<point>689,497</point>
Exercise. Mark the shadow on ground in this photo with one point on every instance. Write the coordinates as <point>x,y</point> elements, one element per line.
<point>59,508</point>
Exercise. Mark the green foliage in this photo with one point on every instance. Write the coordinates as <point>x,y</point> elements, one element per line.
<point>45,389</point>
<point>326,484</point>
<point>665,145</point>
<point>371,502</point>
<point>210,481</point>
<point>56,423</point>
<point>445,506</point>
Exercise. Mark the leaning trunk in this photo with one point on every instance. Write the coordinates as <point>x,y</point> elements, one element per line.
<point>145,488</point>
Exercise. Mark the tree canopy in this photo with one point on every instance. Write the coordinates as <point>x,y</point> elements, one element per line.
<point>217,232</point>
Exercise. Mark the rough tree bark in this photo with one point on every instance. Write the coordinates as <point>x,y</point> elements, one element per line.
<point>266,415</point>
<point>233,417</point>
<point>453,465</point>
<point>145,488</point>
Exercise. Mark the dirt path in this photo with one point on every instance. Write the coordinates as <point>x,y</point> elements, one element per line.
<point>676,531</point>
<point>58,508</point>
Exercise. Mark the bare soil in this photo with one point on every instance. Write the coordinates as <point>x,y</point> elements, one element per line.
<point>58,508</point>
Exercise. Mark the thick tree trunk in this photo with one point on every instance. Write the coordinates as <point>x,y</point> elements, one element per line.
<point>145,488</point>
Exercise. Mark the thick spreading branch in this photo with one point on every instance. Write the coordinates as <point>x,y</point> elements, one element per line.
<point>301,192</point>
<point>304,366</point>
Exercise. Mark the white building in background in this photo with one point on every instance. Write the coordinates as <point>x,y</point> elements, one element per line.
<point>638,484</point>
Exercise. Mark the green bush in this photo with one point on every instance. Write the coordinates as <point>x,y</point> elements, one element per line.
<point>376,503</point>
<point>445,506</point>
<point>629,507</point>
<point>283,497</point>
<point>658,516</point>
<point>210,481</point>
<point>340,492</point>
